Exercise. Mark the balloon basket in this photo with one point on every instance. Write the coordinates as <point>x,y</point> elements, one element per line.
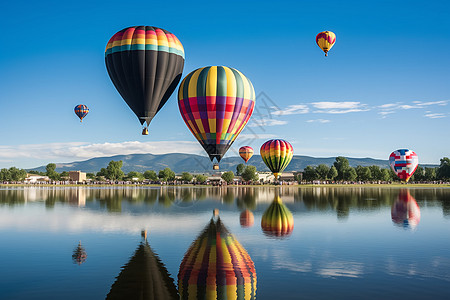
<point>145,131</point>
<point>216,167</point>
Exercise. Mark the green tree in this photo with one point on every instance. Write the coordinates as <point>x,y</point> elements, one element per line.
<point>322,171</point>
<point>310,174</point>
<point>17,174</point>
<point>375,171</point>
<point>419,174</point>
<point>150,175</point>
<point>114,170</point>
<point>134,174</point>
<point>363,173</point>
<point>350,174</point>
<point>239,169</point>
<point>430,174</point>
<point>250,174</point>
<point>386,175</point>
<point>228,176</point>
<point>5,175</point>
<point>443,172</point>
<point>333,173</point>
<point>201,178</point>
<point>51,173</point>
<point>88,175</point>
<point>186,177</point>
<point>166,175</point>
<point>101,173</point>
<point>341,164</point>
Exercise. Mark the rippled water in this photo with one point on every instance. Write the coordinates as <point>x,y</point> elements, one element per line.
<point>264,243</point>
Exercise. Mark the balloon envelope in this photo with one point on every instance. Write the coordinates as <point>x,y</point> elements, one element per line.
<point>216,266</point>
<point>277,155</point>
<point>216,103</point>
<point>246,153</point>
<point>277,220</point>
<point>145,64</point>
<point>81,111</point>
<point>405,212</point>
<point>404,163</point>
<point>325,40</point>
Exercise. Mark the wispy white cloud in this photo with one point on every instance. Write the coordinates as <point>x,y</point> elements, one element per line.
<point>391,108</point>
<point>318,121</point>
<point>266,122</point>
<point>342,269</point>
<point>435,116</point>
<point>343,107</point>
<point>292,110</point>
<point>82,150</point>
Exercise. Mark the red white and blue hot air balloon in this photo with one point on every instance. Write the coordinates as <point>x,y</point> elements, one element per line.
<point>404,163</point>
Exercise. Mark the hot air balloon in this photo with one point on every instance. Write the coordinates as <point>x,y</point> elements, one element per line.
<point>216,266</point>
<point>405,212</point>
<point>144,277</point>
<point>216,103</point>
<point>246,218</point>
<point>325,40</point>
<point>81,111</point>
<point>404,163</point>
<point>246,153</point>
<point>276,154</point>
<point>79,255</point>
<point>277,220</point>
<point>145,64</point>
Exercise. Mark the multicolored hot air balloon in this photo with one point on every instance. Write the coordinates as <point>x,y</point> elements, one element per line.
<point>277,220</point>
<point>216,266</point>
<point>404,163</point>
<point>247,219</point>
<point>81,111</point>
<point>325,40</point>
<point>145,64</point>
<point>216,103</point>
<point>277,155</point>
<point>405,212</point>
<point>246,152</point>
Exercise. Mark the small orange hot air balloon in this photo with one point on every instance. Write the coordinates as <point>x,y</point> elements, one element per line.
<point>325,40</point>
<point>246,153</point>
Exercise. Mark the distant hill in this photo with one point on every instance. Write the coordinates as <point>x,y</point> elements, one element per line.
<point>192,163</point>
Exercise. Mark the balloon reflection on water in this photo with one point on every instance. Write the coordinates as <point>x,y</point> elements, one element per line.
<point>143,277</point>
<point>79,255</point>
<point>277,220</point>
<point>246,218</point>
<point>405,212</point>
<point>216,266</point>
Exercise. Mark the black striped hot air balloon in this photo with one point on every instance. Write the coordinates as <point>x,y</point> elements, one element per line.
<point>145,64</point>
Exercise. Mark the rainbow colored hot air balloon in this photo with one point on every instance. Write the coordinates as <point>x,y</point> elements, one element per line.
<point>405,212</point>
<point>216,266</point>
<point>246,152</point>
<point>325,40</point>
<point>277,155</point>
<point>145,64</point>
<point>81,111</point>
<point>247,219</point>
<point>277,220</point>
<point>404,163</point>
<point>216,103</point>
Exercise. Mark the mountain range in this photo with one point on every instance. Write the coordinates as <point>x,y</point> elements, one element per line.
<point>180,162</point>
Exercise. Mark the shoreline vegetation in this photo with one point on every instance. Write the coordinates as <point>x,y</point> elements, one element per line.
<point>350,185</point>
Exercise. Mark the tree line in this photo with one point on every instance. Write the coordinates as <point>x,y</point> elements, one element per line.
<point>339,171</point>
<point>342,171</point>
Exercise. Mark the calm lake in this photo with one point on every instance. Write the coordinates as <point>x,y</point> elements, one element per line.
<point>265,243</point>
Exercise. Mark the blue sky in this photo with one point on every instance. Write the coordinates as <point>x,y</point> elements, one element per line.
<point>384,86</point>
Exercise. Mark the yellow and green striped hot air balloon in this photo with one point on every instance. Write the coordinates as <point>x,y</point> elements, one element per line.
<point>216,266</point>
<point>277,155</point>
<point>277,220</point>
<point>216,103</point>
